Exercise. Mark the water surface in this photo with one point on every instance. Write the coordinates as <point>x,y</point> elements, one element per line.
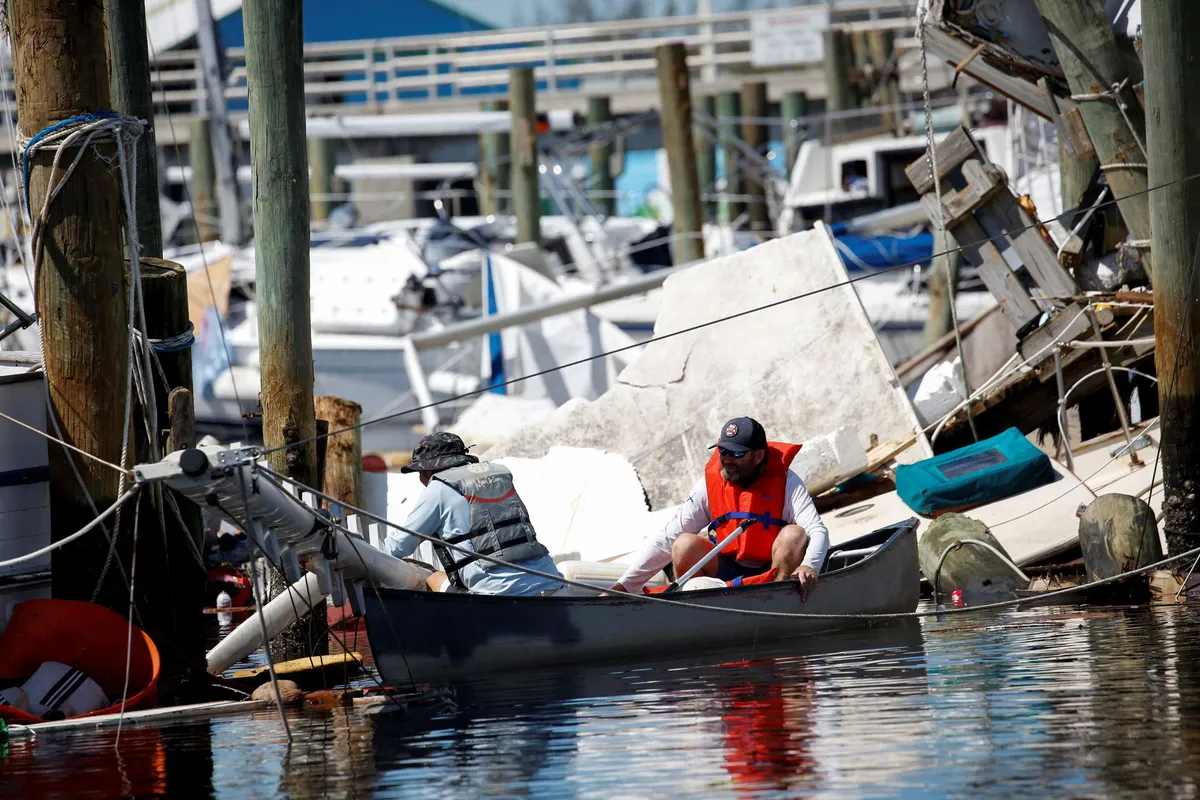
<point>1068,702</point>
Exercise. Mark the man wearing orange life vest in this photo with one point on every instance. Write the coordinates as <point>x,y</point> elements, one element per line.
<point>747,477</point>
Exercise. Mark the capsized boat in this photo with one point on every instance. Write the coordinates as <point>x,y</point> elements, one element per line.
<point>434,636</point>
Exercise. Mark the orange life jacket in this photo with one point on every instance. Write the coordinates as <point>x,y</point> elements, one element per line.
<point>762,500</point>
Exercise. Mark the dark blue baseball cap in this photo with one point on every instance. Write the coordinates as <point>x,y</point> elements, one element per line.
<point>742,433</point>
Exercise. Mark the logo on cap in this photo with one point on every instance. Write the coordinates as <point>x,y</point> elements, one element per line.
<point>731,430</point>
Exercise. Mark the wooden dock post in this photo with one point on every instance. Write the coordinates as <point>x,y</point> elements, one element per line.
<point>279,158</point>
<point>943,285</point>
<point>755,135</point>
<point>706,161</point>
<point>600,154</point>
<point>322,160</point>
<point>495,177</point>
<point>526,183</point>
<point>171,581</point>
<point>676,97</point>
<point>1087,49</point>
<point>793,107</point>
<point>838,60</point>
<point>60,63</point>
<point>1170,28</point>
<point>343,451</point>
<point>729,110</point>
<point>883,49</point>
<point>204,180</point>
<point>131,94</point>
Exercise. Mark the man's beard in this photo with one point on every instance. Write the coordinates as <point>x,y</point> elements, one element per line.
<point>732,474</point>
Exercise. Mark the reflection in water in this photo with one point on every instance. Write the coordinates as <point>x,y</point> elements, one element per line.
<point>150,763</point>
<point>1064,702</point>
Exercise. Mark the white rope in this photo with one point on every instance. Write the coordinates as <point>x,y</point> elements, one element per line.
<point>124,131</point>
<point>137,509</point>
<point>79,533</point>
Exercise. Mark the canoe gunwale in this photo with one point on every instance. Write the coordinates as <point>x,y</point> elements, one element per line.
<point>898,530</point>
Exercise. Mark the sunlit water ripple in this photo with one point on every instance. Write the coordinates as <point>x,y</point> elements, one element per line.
<point>1069,702</point>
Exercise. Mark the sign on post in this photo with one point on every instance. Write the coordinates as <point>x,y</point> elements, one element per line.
<point>788,37</point>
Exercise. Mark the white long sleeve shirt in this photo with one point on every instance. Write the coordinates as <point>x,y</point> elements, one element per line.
<point>693,515</point>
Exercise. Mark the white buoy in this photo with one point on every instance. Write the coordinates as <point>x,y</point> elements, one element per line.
<point>224,618</point>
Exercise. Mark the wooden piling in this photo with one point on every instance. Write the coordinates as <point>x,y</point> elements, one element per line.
<point>497,166</point>
<point>279,158</point>
<point>793,108</point>
<point>883,48</point>
<point>676,102</point>
<point>60,64</point>
<point>861,58</point>
<point>131,94</point>
<point>526,193</point>
<point>729,109</point>
<point>756,137</point>
<point>838,92</point>
<point>1169,30</point>
<point>706,161</point>
<point>322,160</point>
<point>1077,165</point>
<point>1087,49</point>
<point>204,180</point>
<point>171,579</point>
<point>343,451</point>
<point>181,410</point>
<point>943,286</point>
<point>600,154</point>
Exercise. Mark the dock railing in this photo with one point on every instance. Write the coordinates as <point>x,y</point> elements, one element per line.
<point>381,75</point>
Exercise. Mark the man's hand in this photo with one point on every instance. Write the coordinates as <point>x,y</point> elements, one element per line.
<point>617,587</point>
<point>806,576</point>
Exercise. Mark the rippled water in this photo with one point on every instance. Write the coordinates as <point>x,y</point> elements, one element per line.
<point>1074,703</point>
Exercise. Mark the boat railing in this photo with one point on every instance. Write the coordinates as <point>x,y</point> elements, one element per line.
<point>415,344</point>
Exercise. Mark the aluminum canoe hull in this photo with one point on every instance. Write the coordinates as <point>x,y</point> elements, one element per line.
<point>431,637</point>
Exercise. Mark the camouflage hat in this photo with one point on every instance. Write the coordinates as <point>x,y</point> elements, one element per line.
<point>439,451</point>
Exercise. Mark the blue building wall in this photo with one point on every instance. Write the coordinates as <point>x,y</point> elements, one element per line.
<point>327,21</point>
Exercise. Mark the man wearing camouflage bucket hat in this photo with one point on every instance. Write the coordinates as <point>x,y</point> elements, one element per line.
<point>475,506</point>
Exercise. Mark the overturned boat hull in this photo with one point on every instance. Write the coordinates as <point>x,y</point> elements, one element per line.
<point>429,636</point>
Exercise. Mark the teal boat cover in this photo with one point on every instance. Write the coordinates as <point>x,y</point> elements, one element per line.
<point>992,469</point>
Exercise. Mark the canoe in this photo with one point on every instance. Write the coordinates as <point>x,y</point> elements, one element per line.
<point>431,636</point>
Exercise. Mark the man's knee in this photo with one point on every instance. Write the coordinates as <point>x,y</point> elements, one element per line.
<point>790,545</point>
<point>689,549</point>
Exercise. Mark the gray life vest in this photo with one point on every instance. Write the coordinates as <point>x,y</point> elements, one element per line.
<point>500,524</point>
